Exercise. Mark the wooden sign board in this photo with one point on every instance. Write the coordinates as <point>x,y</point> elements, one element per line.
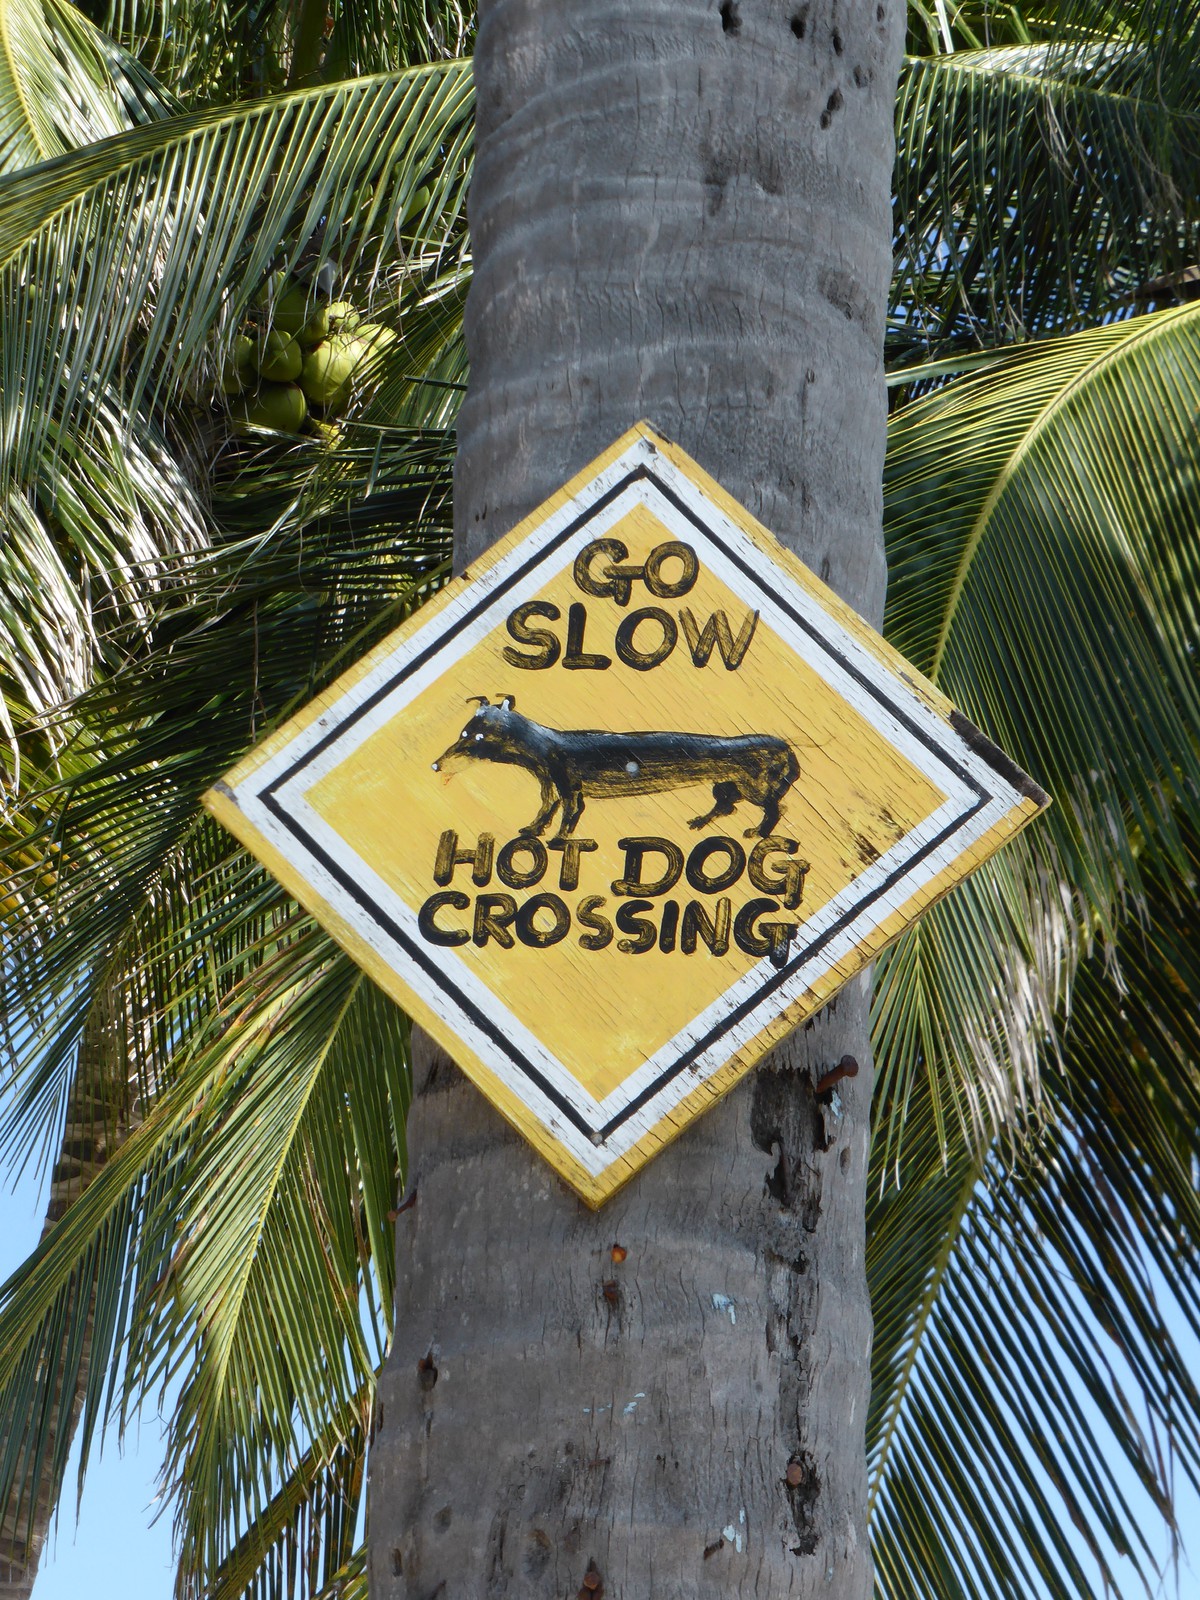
<point>621,806</point>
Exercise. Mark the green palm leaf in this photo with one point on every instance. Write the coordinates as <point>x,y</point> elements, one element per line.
<point>287,1210</point>
<point>1044,564</point>
<point>260,1181</point>
<point>1040,181</point>
<point>155,237</point>
<point>304,1540</point>
<point>63,84</point>
<point>149,897</point>
<point>214,50</point>
<point>142,892</point>
<point>118,505</point>
<point>1042,531</point>
<point>1026,1311</point>
<point>185,216</point>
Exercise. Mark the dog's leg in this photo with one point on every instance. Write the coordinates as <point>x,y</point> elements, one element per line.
<point>550,800</point>
<point>726,796</point>
<point>572,810</point>
<point>770,817</point>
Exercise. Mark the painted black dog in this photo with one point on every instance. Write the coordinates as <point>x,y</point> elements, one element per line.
<point>571,766</point>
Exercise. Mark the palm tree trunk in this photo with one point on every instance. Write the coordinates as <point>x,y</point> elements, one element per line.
<point>680,212</point>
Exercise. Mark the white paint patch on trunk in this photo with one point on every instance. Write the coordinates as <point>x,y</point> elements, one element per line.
<point>722,1302</point>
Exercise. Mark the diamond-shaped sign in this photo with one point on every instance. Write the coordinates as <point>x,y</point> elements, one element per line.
<point>621,806</point>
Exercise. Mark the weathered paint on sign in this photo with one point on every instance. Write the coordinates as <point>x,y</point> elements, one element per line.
<point>620,807</point>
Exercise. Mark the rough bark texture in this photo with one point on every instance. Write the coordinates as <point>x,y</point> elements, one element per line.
<point>680,213</point>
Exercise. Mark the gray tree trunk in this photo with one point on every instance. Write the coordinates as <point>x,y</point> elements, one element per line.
<point>680,212</point>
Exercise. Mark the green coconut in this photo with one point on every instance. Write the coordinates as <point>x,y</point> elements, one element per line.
<point>343,318</point>
<point>329,370</point>
<point>315,329</point>
<point>375,339</point>
<point>270,288</point>
<point>238,369</point>
<point>278,406</point>
<point>377,335</point>
<point>280,357</point>
<point>293,309</point>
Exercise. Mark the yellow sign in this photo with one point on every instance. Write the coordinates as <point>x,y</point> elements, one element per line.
<point>613,814</point>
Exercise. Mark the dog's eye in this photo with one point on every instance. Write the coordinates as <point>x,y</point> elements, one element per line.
<point>478,736</point>
<point>464,733</point>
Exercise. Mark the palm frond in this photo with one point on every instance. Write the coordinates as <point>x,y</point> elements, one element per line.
<point>1026,1310</point>
<point>248,631</point>
<point>231,49</point>
<point>303,1542</point>
<point>145,892</point>
<point>1042,533</point>
<point>1043,573</point>
<point>63,84</point>
<point>241,1232</point>
<point>115,504</point>
<point>1041,181</point>
<point>120,261</point>
<point>969,1001</point>
<point>397,33</point>
<point>119,508</point>
<point>185,216</point>
<point>282,1300</point>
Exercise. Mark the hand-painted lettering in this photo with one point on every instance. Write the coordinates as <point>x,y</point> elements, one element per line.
<point>647,636</point>
<point>636,851</point>
<point>643,933</point>
<point>772,875</point>
<point>651,867</point>
<point>600,932</point>
<point>616,582</point>
<point>760,938</point>
<point>514,877</point>
<point>450,856</point>
<point>697,924</point>
<point>572,849</point>
<point>698,874</point>
<point>717,631</point>
<point>429,928</point>
<point>547,647</point>
<point>540,938</point>
<point>494,916</point>
<point>577,659</point>
<point>626,648</point>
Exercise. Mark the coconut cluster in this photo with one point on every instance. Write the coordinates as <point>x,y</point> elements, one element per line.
<point>300,357</point>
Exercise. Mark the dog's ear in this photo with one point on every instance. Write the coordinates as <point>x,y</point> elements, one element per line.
<point>479,699</point>
<point>508,702</point>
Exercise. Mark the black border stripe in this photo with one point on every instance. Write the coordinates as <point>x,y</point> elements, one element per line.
<point>490,1029</point>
